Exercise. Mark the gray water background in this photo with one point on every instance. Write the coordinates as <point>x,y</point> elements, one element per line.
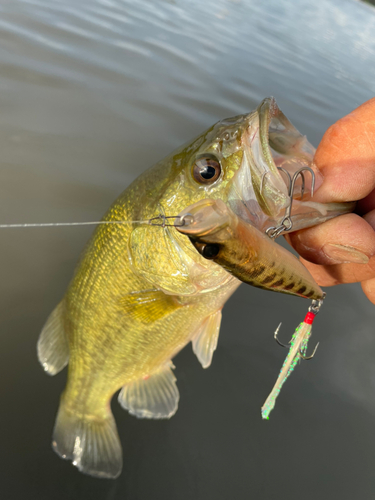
<point>91,94</point>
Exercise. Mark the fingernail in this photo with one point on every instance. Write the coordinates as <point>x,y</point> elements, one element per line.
<point>342,254</point>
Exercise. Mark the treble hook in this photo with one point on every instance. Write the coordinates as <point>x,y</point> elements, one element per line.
<point>295,176</point>
<point>300,353</point>
<point>287,223</point>
<point>291,189</point>
<point>284,171</point>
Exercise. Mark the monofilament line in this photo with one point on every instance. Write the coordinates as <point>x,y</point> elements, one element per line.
<point>57,224</point>
<point>160,220</point>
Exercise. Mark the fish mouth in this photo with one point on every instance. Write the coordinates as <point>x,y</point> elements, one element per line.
<point>272,148</point>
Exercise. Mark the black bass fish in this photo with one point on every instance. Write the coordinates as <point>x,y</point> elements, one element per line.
<point>141,293</point>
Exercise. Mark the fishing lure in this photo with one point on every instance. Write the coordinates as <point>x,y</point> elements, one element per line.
<point>219,235</point>
<point>297,351</point>
<point>254,258</point>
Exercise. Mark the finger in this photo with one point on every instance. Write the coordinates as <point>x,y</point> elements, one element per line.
<point>345,239</point>
<point>346,157</point>
<point>368,287</point>
<point>367,204</point>
<point>338,274</point>
<point>370,218</point>
<point>321,274</point>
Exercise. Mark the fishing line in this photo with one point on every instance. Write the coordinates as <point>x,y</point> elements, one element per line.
<point>160,220</point>
<point>56,224</point>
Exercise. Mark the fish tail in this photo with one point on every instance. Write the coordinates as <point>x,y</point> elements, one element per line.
<point>89,441</point>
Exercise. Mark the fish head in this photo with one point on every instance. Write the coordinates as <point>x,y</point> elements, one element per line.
<point>205,168</point>
<point>238,160</point>
<point>234,161</point>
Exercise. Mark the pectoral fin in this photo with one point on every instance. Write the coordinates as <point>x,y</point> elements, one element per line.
<point>153,397</point>
<point>53,348</point>
<point>205,341</point>
<point>149,305</point>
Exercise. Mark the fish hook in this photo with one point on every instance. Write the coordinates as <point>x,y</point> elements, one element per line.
<point>307,358</point>
<point>284,171</point>
<point>295,176</point>
<point>287,223</point>
<point>276,338</point>
<point>300,353</point>
<point>297,351</point>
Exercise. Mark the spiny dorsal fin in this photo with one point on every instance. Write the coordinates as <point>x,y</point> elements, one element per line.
<point>149,305</point>
<point>53,347</point>
<point>205,341</point>
<point>153,397</point>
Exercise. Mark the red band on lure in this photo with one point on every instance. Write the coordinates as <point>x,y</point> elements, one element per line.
<point>309,318</point>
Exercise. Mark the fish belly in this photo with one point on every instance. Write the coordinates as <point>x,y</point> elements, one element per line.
<point>104,360</point>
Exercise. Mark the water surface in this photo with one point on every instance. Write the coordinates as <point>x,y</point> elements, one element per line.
<point>91,94</point>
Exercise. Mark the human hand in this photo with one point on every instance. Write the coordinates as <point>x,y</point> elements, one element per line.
<point>342,250</point>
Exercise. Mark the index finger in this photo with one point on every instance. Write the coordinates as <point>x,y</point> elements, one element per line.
<point>346,157</point>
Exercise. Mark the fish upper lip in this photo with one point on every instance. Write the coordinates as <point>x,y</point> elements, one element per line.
<point>243,196</point>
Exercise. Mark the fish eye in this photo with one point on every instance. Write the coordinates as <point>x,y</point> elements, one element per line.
<point>210,251</point>
<point>206,169</point>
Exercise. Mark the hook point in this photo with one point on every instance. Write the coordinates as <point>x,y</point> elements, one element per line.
<point>307,358</point>
<point>276,338</point>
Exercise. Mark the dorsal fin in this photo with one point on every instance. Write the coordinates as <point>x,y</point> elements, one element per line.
<point>205,340</point>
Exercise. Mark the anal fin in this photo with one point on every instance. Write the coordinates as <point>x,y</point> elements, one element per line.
<point>148,306</point>
<point>53,347</point>
<point>205,340</point>
<point>153,397</point>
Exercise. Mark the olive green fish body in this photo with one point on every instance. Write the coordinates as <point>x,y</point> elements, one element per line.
<point>139,294</point>
<point>121,327</point>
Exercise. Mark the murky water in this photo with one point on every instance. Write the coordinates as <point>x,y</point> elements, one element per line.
<point>91,94</point>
